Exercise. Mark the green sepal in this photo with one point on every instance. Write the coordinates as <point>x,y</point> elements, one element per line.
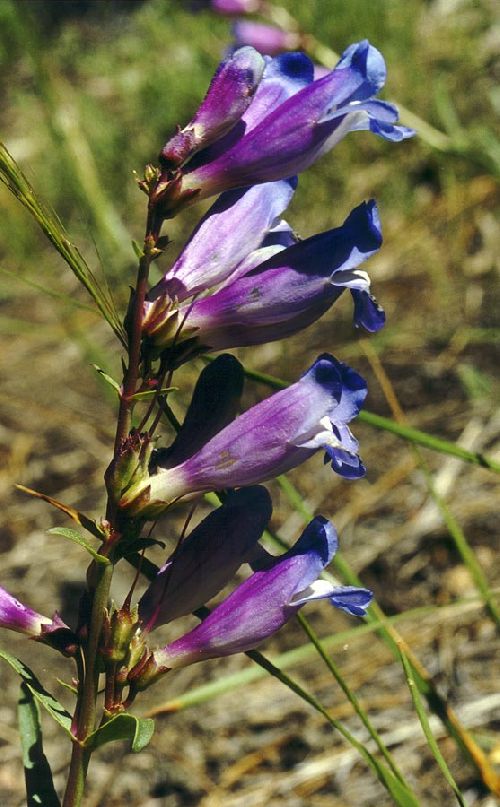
<point>37,773</point>
<point>138,730</point>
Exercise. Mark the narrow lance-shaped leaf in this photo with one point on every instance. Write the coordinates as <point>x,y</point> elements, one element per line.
<point>38,776</point>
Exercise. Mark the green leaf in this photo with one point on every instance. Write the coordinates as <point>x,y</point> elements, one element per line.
<point>73,535</point>
<point>124,727</point>
<point>107,378</point>
<point>39,786</point>
<point>55,709</point>
<point>424,722</point>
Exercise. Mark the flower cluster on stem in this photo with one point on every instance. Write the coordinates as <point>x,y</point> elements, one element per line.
<point>243,278</point>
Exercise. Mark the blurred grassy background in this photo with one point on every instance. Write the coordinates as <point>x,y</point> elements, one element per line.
<point>89,93</point>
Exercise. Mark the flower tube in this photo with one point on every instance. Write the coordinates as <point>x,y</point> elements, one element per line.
<point>262,604</point>
<point>18,617</point>
<point>269,439</point>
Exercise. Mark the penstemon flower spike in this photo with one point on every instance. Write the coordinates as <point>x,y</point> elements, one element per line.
<point>243,278</point>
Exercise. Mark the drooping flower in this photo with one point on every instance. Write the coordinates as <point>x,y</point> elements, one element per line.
<point>284,294</point>
<point>208,558</point>
<point>289,137</point>
<point>264,602</point>
<point>16,616</point>
<point>269,439</point>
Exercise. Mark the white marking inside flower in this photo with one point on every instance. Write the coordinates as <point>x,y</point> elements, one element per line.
<point>316,591</point>
<point>351,278</point>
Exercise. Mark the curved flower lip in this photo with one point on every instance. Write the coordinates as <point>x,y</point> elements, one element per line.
<point>233,227</point>
<point>291,289</point>
<point>264,602</point>
<point>229,94</point>
<point>269,439</point>
<point>208,558</point>
<point>304,127</point>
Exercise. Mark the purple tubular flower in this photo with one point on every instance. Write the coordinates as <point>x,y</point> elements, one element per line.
<point>18,617</point>
<point>208,558</point>
<point>214,404</point>
<point>233,227</point>
<point>291,289</point>
<point>303,128</point>
<point>266,39</point>
<point>236,6</point>
<point>231,91</point>
<point>269,439</point>
<point>267,600</point>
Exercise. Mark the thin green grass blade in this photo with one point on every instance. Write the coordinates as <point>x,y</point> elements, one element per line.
<point>67,299</point>
<point>14,179</point>
<point>351,697</point>
<point>467,554</point>
<point>43,698</point>
<point>424,722</point>
<point>399,791</point>
<point>38,776</point>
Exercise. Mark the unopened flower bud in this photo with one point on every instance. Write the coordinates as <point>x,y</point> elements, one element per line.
<point>119,630</point>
